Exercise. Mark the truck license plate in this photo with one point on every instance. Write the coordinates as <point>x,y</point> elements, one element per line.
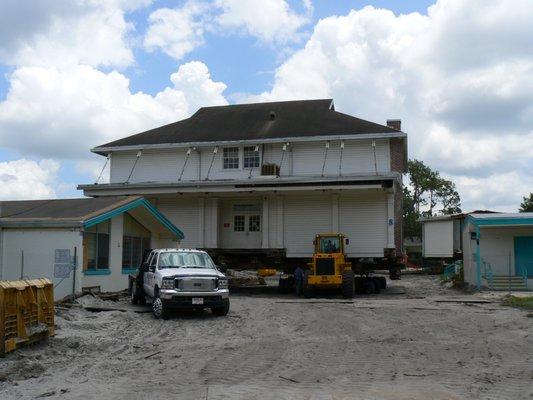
<point>197,300</point>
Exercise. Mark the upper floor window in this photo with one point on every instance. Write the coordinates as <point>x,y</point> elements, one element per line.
<point>231,158</point>
<point>251,157</point>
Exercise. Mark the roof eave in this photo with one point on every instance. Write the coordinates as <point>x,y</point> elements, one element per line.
<point>40,223</point>
<point>291,139</point>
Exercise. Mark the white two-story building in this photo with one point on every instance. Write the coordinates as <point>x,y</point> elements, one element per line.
<point>265,178</point>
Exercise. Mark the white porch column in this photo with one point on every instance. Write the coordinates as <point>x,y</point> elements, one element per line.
<point>335,213</point>
<point>201,221</point>
<point>280,242</point>
<point>265,225</point>
<point>390,220</point>
<point>213,223</point>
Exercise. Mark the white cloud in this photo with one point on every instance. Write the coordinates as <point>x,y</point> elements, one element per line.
<point>27,179</point>
<point>269,21</point>
<point>61,113</point>
<point>498,192</point>
<point>176,31</point>
<point>461,78</point>
<point>62,32</point>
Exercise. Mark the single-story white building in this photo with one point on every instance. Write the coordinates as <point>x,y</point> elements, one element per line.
<point>101,239</point>
<point>441,236</point>
<point>498,251</point>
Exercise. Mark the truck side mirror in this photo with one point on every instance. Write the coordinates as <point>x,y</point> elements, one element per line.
<point>347,241</point>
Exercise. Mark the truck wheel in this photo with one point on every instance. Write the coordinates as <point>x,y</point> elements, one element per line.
<point>370,285</point>
<point>359,284</point>
<point>382,282</point>
<point>158,307</point>
<point>377,285</point>
<point>221,311</point>
<point>283,286</point>
<point>395,273</point>
<point>348,284</point>
<point>308,290</point>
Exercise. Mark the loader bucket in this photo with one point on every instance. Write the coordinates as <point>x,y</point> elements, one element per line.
<point>26,313</point>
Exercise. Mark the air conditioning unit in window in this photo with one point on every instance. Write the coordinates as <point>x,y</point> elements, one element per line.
<point>269,170</point>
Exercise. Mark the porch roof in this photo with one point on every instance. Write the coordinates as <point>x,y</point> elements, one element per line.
<point>501,219</point>
<point>246,185</point>
<point>84,212</point>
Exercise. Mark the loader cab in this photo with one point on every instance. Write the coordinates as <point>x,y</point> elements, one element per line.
<point>330,243</point>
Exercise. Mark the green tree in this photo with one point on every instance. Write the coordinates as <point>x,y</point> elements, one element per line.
<point>448,197</point>
<point>426,195</point>
<point>527,204</point>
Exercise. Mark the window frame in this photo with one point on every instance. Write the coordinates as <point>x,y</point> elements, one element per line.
<point>96,235</point>
<point>132,240</point>
<point>238,158</point>
<point>251,218</point>
<point>255,153</point>
<point>243,223</point>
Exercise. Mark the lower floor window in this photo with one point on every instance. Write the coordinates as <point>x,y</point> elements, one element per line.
<point>96,247</point>
<point>135,242</point>
<point>133,249</point>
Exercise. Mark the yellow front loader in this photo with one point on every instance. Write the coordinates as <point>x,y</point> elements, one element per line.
<point>329,268</point>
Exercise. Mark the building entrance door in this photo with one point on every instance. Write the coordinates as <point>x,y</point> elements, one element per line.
<point>523,253</point>
<point>246,226</point>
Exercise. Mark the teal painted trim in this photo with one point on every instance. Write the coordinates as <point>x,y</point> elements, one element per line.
<point>478,260</point>
<point>499,221</point>
<point>127,271</point>
<point>161,218</point>
<point>134,204</point>
<point>97,272</point>
<point>113,213</point>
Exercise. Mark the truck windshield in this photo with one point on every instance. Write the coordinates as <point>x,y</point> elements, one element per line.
<point>329,244</point>
<point>178,259</point>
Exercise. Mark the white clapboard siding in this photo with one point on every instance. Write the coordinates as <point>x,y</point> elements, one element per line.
<point>304,217</point>
<point>438,239</point>
<point>363,219</point>
<point>161,165</point>
<point>301,159</point>
<point>184,213</point>
<point>358,157</point>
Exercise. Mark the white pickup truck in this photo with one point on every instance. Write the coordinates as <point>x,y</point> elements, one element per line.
<point>180,278</point>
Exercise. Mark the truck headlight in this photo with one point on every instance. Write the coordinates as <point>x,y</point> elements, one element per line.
<point>222,283</point>
<point>167,284</point>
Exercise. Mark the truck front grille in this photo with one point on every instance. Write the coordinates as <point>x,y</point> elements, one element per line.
<point>196,284</point>
<point>325,266</point>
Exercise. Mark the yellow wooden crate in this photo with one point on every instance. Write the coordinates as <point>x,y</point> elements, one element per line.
<point>266,272</point>
<point>26,313</point>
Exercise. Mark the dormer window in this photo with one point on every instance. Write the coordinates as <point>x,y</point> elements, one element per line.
<point>231,158</point>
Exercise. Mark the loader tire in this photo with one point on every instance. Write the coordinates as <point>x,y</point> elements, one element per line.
<point>308,290</point>
<point>348,284</point>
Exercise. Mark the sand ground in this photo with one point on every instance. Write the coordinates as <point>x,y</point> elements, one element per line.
<point>386,346</point>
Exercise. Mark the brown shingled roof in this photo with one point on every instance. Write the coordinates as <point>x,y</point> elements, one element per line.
<point>257,121</point>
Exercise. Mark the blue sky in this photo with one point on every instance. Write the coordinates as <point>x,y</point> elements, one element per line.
<point>75,73</point>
